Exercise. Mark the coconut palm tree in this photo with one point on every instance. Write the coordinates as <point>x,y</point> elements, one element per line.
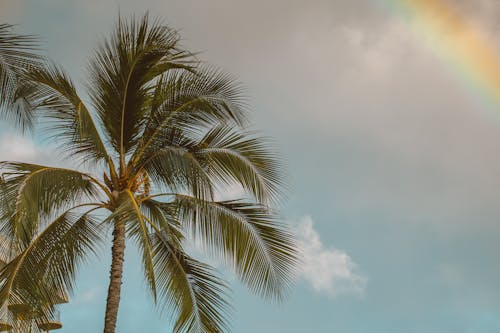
<point>161,136</point>
<point>17,56</point>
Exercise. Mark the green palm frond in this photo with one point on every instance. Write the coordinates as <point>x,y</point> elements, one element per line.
<point>163,216</point>
<point>45,269</point>
<point>50,94</point>
<point>177,169</point>
<point>188,101</point>
<point>21,110</point>
<point>122,73</point>
<point>248,236</point>
<point>32,192</point>
<point>236,156</point>
<point>190,289</point>
<point>17,56</point>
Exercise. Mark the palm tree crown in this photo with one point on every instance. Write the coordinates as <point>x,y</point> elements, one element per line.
<point>161,134</point>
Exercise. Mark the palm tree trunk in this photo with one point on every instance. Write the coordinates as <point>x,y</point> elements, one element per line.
<point>115,277</point>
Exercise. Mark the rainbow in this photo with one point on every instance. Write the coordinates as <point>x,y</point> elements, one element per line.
<point>456,41</point>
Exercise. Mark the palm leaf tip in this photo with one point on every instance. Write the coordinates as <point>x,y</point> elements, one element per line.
<point>18,55</point>
<point>50,94</point>
<point>191,290</point>
<point>249,237</point>
<point>243,158</point>
<point>44,269</point>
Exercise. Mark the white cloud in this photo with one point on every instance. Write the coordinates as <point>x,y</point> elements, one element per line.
<point>18,148</point>
<point>328,270</point>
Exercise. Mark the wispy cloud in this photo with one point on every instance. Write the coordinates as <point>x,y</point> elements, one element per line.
<point>18,148</point>
<point>327,270</point>
<point>14,147</point>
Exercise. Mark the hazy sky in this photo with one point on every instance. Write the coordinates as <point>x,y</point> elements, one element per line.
<point>393,160</point>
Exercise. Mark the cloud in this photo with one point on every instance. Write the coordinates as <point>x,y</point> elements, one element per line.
<point>14,147</point>
<point>328,270</point>
<point>325,269</point>
<point>18,148</point>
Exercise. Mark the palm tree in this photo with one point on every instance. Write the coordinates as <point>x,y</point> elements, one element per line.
<point>162,135</point>
<point>17,56</point>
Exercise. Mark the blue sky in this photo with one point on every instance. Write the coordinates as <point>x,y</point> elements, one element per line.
<point>393,161</point>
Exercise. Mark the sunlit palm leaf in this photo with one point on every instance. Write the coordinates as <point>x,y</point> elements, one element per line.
<point>50,94</point>
<point>187,101</point>
<point>45,269</point>
<point>177,169</point>
<point>32,192</point>
<point>232,156</point>
<point>190,289</point>
<point>248,236</point>
<point>164,217</point>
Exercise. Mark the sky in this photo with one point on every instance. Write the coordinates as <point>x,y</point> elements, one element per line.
<point>392,156</point>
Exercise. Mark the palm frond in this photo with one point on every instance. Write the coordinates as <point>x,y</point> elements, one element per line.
<point>190,289</point>
<point>121,71</point>
<point>21,110</point>
<point>189,100</point>
<point>163,216</point>
<point>249,237</point>
<point>30,192</point>
<point>177,169</point>
<point>17,55</point>
<point>234,156</point>
<point>44,269</point>
<point>50,94</point>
